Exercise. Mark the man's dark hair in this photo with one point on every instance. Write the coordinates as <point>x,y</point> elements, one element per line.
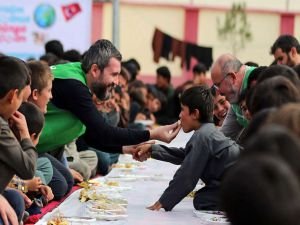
<point>285,42</point>
<point>34,117</point>
<point>55,47</point>
<point>261,190</point>
<point>100,53</point>
<point>199,68</point>
<point>72,55</point>
<point>14,74</point>
<point>164,72</point>
<point>199,97</point>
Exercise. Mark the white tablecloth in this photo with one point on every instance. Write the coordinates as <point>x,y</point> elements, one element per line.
<point>144,192</point>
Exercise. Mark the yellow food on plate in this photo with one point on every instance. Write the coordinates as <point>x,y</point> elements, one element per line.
<point>112,183</point>
<point>89,183</point>
<point>58,221</point>
<point>128,165</point>
<point>123,165</point>
<point>192,194</point>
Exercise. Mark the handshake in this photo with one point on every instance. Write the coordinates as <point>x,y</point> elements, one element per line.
<point>140,152</point>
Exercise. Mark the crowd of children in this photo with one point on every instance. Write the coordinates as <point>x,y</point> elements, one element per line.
<point>65,118</point>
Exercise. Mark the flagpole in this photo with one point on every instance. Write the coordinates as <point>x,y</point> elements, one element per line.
<point>116,23</point>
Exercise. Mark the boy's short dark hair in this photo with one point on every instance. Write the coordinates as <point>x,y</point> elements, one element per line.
<point>158,95</point>
<point>55,47</point>
<point>133,68</point>
<point>279,70</point>
<point>273,139</point>
<point>255,74</point>
<point>199,68</point>
<point>14,74</point>
<point>250,63</point>
<point>261,190</point>
<point>72,55</point>
<point>34,117</point>
<point>273,92</point>
<point>125,74</point>
<point>50,59</point>
<point>199,97</point>
<point>164,72</point>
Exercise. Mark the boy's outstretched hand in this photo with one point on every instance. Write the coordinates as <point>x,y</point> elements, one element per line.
<point>157,206</point>
<point>143,152</point>
<point>165,133</point>
<point>133,149</point>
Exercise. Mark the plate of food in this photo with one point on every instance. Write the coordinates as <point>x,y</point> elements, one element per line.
<point>107,216</point>
<point>80,219</point>
<point>97,195</point>
<point>89,184</point>
<point>58,220</point>
<point>128,177</point>
<point>217,220</point>
<point>96,206</point>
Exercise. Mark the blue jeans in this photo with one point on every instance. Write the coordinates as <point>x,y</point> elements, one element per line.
<point>62,180</point>
<point>16,201</point>
<point>105,160</point>
<point>44,170</point>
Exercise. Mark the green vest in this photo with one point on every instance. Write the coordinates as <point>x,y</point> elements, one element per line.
<point>235,107</point>
<point>61,126</point>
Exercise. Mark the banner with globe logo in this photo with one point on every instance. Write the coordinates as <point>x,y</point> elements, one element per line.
<point>25,26</point>
<point>44,15</point>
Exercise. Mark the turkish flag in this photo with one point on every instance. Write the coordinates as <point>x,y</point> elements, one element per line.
<point>69,11</point>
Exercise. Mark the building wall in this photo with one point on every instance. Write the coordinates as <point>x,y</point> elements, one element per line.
<point>297,27</point>
<point>263,36</point>
<point>270,5</point>
<point>138,19</point>
<point>136,32</point>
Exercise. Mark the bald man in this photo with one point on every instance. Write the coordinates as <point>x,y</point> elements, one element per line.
<point>230,78</point>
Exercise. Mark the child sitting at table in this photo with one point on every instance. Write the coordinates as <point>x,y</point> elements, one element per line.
<point>206,156</point>
<point>35,122</point>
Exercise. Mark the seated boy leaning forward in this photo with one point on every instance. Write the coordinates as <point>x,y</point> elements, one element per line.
<point>206,155</point>
<point>16,157</point>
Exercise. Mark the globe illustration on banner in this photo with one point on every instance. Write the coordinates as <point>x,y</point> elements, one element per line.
<point>44,15</point>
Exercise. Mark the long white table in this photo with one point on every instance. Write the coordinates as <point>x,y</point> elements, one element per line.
<point>144,192</point>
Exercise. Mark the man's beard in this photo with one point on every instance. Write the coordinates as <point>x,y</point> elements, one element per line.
<point>102,91</point>
<point>290,62</point>
<point>233,96</point>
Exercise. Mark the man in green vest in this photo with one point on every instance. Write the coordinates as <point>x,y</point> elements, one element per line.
<point>72,113</point>
<point>230,78</point>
